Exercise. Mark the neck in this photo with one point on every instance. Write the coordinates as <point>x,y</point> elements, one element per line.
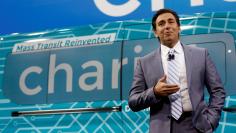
<point>170,44</point>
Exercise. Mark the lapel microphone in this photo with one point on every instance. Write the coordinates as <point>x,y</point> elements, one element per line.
<point>171,57</point>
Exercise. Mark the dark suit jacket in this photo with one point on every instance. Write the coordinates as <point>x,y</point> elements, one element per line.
<point>201,72</point>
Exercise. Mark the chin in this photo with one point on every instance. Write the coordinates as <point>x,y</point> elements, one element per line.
<point>168,43</point>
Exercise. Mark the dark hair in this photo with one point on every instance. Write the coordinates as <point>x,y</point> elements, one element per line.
<point>161,11</point>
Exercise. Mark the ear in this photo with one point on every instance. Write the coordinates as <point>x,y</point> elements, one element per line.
<point>155,33</point>
<point>179,29</point>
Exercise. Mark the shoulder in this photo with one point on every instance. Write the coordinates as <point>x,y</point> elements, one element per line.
<point>194,48</point>
<point>149,56</point>
<point>196,53</point>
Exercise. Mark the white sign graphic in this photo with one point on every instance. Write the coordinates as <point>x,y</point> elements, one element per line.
<point>117,10</point>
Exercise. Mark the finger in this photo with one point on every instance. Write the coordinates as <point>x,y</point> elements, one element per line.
<point>163,79</point>
<point>170,85</point>
<point>172,89</point>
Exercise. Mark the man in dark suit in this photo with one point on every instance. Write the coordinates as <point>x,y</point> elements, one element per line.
<point>171,81</point>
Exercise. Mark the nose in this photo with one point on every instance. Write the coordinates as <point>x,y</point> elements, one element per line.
<point>167,26</point>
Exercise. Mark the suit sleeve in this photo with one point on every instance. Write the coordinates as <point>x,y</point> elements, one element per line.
<point>216,92</point>
<point>140,96</point>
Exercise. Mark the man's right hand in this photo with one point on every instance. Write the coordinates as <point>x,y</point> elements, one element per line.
<point>163,89</point>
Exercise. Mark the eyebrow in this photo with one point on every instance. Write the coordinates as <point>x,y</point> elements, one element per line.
<point>169,19</point>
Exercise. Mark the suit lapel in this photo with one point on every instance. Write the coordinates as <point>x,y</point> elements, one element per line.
<point>157,66</point>
<point>158,63</point>
<point>188,59</point>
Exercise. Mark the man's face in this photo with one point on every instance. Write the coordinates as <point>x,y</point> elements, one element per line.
<point>167,29</point>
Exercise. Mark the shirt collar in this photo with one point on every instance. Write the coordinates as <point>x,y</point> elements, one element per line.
<point>178,49</point>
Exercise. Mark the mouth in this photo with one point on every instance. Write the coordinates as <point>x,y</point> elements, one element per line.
<point>167,33</point>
